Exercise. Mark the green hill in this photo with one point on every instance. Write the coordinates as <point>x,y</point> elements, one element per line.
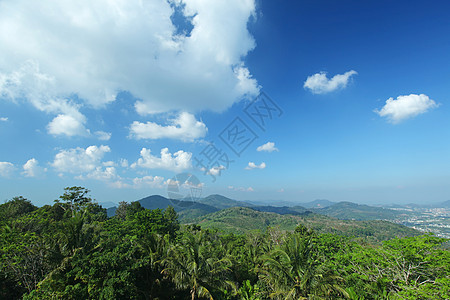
<point>319,203</point>
<point>282,210</point>
<point>222,202</point>
<point>244,220</point>
<point>187,210</point>
<point>353,211</point>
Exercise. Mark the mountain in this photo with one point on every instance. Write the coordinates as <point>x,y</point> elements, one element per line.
<point>244,220</point>
<point>353,211</point>
<point>272,202</point>
<point>221,202</point>
<point>111,211</point>
<point>282,210</point>
<point>319,203</point>
<point>185,209</point>
<point>445,204</point>
<point>107,204</point>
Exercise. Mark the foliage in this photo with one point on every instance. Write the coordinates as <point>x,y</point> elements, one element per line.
<point>244,220</point>
<point>71,250</point>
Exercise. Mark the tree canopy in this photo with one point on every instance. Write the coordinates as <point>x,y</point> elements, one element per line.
<point>71,250</point>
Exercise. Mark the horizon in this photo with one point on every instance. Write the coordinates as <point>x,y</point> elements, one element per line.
<point>255,100</point>
<point>266,202</point>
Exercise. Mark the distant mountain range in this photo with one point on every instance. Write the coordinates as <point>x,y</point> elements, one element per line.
<point>245,219</point>
<point>445,204</point>
<point>222,202</point>
<point>353,211</point>
<point>107,204</point>
<point>185,209</point>
<point>189,211</point>
<point>319,203</point>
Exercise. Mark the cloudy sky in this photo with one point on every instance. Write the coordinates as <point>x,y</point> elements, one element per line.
<point>260,100</point>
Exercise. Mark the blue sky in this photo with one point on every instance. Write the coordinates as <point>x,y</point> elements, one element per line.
<point>92,94</point>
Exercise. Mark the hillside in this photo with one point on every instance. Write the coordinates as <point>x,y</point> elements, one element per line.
<point>353,211</point>
<point>187,210</point>
<point>319,203</point>
<point>282,210</point>
<point>222,202</point>
<point>244,220</point>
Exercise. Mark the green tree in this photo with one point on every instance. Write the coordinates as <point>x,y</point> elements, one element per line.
<point>15,207</point>
<point>192,265</point>
<point>293,271</point>
<point>74,199</point>
<point>122,209</point>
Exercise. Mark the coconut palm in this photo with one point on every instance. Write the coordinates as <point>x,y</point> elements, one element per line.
<point>192,265</point>
<point>293,271</point>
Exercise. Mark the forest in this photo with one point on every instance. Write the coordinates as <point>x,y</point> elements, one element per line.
<point>73,250</point>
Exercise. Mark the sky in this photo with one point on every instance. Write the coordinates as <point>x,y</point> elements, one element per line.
<point>257,100</point>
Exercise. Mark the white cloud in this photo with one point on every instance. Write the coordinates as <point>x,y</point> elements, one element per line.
<point>156,182</point>
<point>32,169</point>
<point>86,163</point>
<point>103,136</point>
<point>68,125</point>
<point>185,127</point>
<point>119,184</point>
<point>149,181</point>
<point>103,174</point>
<point>6,168</point>
<point>320,84</point>
<point>241,189</point>
<point>30,84</point>
<point>405,107</point>
<point>79,160</point>
<point>252,165</point>
<point>177,162</point>
<point>4,119</point>
<point>216,171</point>
<point>268,147</point>
<point>124,163</point>
<point>109,163</point>
<point>128,46</point>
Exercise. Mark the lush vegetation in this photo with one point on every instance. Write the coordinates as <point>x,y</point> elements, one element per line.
<point>245,220</point>
<point>72,250</point>
<point>353,211</point>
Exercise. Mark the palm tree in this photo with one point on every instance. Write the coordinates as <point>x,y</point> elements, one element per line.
<point>293,271</point>
<point>192,266</point>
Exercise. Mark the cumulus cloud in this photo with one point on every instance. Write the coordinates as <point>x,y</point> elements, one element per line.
<point>215,171</point>
<point>79,160</point>
<point>177,162</point>
<point>30,84</point>
<point>68,125</point>
<point>102,135</point>
<point>3,119</point>
<point>109,163</point>
<point>149,181</point>
<point>6,168</point>
<point>102,174</point>
<point>268,147</point>
<point>320,84</point>
<point>405,107</point>
<point>252,165</point>
<point>32,169</point>
<point>127,46</point>
<point>185,127</point>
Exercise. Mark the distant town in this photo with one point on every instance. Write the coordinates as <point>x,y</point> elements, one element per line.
<point>435,220</point>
